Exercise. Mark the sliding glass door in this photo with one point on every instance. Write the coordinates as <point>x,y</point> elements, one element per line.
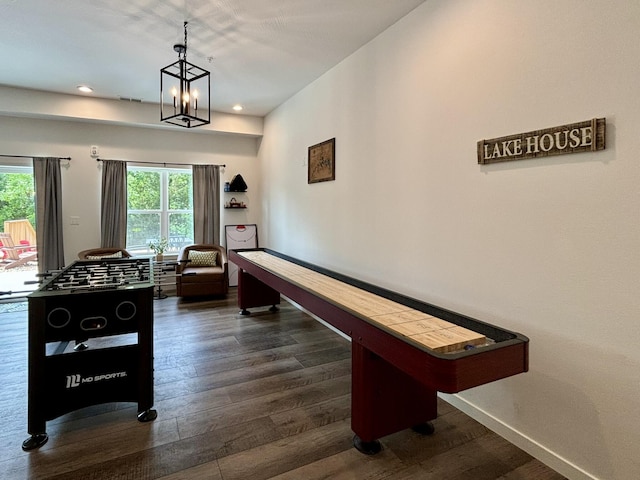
<point>18,246</point>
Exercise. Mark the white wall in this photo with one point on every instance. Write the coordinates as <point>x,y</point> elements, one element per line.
<point>548,247</point>
<point>82,176</point>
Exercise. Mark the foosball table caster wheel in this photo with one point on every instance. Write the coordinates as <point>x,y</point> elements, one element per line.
<point>35,441</point>
<point>425,428</point>
<point>273,309</point>
<point>148,416</point>
<point>368,448</point>
<point>244,311</point>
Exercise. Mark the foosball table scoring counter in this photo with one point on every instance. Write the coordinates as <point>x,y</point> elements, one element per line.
<point>90,300</point>
<point>403,350</point>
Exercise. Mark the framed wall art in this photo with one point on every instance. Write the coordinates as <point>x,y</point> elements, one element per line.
<point>321,163</point>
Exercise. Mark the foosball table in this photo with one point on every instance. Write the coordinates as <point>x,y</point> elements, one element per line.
<point>403,350</point>
<point>83,304</point>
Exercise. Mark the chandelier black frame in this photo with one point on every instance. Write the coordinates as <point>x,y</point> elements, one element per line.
<point>185,91</point>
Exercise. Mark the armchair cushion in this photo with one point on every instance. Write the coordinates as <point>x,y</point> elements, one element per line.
<point>107,255</point>
<point>103,252</point>
<point>202,259</point>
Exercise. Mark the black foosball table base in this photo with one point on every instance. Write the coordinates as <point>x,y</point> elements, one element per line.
<point>72,307</point>
<point>147,416</point>
<point>35,441</point>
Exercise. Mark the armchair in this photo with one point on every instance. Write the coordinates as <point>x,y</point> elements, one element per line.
<point>202,270</point>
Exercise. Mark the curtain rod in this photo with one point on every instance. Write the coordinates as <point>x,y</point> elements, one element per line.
<point>32,156</point>
<point>158,163</point>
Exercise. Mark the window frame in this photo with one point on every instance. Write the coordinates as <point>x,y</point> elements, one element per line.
<point>164,211</point>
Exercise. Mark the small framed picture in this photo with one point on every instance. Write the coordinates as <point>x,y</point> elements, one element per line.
<point>322,162</point>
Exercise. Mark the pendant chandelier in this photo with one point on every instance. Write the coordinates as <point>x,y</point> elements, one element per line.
<point>184,91</point>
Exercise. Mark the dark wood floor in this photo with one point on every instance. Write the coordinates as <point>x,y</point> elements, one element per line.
<point>257,397</point>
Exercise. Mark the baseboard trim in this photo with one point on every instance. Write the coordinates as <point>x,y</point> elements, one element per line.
<point>533,448</point>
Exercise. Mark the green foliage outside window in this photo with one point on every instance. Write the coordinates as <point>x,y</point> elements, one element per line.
<point>17,197</point>
<point>180,191</point>
<point>143,190</point>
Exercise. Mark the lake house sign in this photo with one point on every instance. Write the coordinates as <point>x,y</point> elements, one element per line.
<point>587,136</point>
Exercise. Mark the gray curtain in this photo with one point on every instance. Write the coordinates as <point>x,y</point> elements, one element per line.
<point>206,204</point>
<point>113,219</point>
<point>48,186</point>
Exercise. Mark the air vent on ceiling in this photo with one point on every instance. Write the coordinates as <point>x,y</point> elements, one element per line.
<point>128,99</point>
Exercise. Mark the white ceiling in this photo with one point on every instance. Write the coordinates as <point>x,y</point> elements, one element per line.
<point>259,52</point>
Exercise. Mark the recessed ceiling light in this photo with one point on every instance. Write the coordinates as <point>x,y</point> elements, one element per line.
<point>237,108</point>
<point>85,89</point>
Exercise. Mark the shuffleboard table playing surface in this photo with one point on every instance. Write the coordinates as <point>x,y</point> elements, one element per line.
<point>424,329</point>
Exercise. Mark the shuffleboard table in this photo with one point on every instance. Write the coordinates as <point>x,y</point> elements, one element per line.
<point>404,350</point>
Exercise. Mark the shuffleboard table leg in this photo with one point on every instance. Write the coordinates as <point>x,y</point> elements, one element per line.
<point>254,293</point>
<point>425,428</point>
<point>385,400</point>
<point>368,448</point>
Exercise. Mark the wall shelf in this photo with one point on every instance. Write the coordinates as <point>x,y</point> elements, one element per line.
<point>233,203</point>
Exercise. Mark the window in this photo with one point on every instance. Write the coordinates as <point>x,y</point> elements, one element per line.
<point>159,204</point>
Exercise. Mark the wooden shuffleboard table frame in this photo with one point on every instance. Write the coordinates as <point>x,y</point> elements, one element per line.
<point>394,380</point>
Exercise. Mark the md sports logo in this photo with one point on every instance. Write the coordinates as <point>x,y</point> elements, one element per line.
<point>76,380</point>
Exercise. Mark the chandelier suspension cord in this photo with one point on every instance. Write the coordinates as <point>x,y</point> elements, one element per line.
<point>185,91</point>
<point>185,40</point>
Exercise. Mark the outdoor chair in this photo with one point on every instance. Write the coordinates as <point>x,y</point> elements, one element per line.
<point>16,255</point>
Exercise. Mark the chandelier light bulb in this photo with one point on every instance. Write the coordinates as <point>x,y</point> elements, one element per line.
<point>174,94</point>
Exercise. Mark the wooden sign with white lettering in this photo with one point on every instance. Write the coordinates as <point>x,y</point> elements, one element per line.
<point>587,136</point>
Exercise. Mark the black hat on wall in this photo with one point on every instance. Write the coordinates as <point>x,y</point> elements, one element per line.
<point>238,184</point>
